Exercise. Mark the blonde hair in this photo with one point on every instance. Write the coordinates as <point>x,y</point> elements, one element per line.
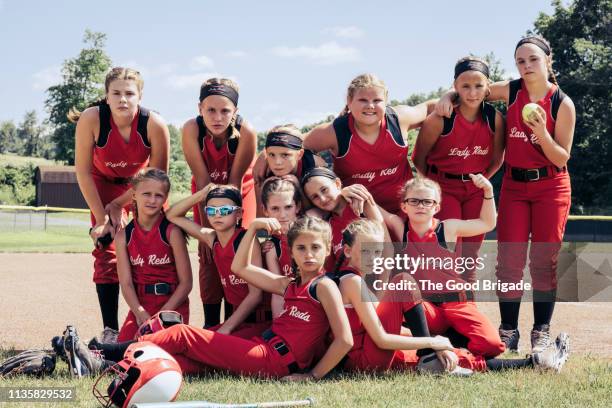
<point>127,74</point>
<point>421,182</point>
<point>551,74</point>
<point>363,81</point>
<point>232,84</point>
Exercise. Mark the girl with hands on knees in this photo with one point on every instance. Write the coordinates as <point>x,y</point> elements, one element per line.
<point>219,147</point>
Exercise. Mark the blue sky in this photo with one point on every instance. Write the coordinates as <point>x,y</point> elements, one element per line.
<point>293,60</point>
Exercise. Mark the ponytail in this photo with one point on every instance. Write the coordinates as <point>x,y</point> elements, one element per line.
<point>74,114</point>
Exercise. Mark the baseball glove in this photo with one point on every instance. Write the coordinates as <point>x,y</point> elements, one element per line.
<point>159,321</point>
<point>31,362</point>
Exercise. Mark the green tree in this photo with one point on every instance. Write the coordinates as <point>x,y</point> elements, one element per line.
<point>30,133</point>
<point>580,38</point>
<point>179,172</point>
<point>8,137</point>
<point>82,84</point>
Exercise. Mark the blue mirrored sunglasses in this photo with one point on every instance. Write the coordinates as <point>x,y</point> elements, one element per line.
<point>222,211</point>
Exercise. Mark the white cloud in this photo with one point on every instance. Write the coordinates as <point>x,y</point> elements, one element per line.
<point>236,54</point>
<point>149,71</point>
<point>268,118</point>
<point>201,62</point>
<point>184,81</point>
<point>345,32</point>
<point>329,53</point>
<point>47,77</point>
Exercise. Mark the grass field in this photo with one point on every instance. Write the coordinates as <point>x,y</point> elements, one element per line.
<point>6,159</point>
<point>65,233</point>
<point>585,381</point>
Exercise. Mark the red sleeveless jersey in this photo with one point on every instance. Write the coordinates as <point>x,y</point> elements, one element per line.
<point>302,324</point>
<point>113,157</point>
<point>437,261</point>
<point>235,289</point>
<point>382,167</point>
<point>463,147</point>
<point>150,253</point>
<point>283,253</point>
<point>520,150</point>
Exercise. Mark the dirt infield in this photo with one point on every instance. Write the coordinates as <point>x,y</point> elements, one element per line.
<point>41,293</point>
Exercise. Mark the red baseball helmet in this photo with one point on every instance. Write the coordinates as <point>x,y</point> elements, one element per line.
<point>147,373</point>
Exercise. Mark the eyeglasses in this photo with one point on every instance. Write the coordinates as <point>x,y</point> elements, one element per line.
<point>222,211</point>
<point>415,202</point>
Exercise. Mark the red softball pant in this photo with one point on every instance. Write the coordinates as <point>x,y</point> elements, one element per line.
<point>246,330</point>
<point>105,261</point>
<point>461,200</point>
<point>408,360</point>
<point>466,319</point>
<point>540,209</point>
<point>152,304</point>
<point>198,350</point>
<point>211,290</point>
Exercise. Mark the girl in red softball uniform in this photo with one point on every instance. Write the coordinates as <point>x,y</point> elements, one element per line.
<point>249,312</point>
<point>340,206</point>
<point>152,259</point>
<point>428,237</point>
<point>115,138</point>
<point>285,156</point>
<point>281,200</point>
<point>219,147</point>
<point>535,197</point>
<point>367,140</point>
<point>289,348</point>
<point>470,141</point>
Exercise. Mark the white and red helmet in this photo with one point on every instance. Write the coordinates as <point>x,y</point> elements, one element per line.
<point>147,373</point>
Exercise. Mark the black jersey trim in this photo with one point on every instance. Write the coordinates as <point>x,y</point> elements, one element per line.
<point>143,119</point>
<point>515,86</point>
<point>163,231</point>
<point>555,102</point>
<point>105,126</point>
<point>129,229</point>
<point>488,115</point>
